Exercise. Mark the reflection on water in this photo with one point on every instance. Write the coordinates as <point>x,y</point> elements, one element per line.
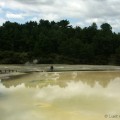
<point>43,79</point>
<point>60,96</point>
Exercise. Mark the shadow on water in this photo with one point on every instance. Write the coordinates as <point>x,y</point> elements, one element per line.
<point>43,79</point>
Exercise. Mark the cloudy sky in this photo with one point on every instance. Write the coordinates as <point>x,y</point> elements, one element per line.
<point>78,12</point>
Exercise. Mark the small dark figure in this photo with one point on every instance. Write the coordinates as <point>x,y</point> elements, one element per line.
<point>51,68</point>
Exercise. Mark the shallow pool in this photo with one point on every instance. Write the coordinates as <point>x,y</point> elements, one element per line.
<point>87,95</point>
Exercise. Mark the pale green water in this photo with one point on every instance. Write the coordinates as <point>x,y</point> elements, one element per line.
<point>61,96</point>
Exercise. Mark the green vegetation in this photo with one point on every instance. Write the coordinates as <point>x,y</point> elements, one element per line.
<point>58,42</point>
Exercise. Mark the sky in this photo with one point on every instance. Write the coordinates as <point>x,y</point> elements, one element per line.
<point>79,12</point>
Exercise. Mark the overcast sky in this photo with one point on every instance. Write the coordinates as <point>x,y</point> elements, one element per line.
<point>78,12</point>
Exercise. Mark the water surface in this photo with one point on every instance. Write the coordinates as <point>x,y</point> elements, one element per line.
<point>77,95</point>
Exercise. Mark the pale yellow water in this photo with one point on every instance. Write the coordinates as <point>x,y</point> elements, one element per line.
<point>61,96</point>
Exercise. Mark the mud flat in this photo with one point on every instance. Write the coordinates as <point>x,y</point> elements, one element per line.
<point>8,71</point>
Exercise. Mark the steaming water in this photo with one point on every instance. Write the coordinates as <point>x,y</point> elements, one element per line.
<point>61,96</point>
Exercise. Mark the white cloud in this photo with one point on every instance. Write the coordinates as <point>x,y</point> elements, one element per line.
<point>15,16</point>
<point>85,11</point>
<point>2,4</point>
<point>50,17</point>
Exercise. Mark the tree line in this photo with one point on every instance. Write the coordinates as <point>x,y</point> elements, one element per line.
<point>58,42</point>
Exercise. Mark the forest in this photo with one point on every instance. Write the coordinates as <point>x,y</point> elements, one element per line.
<point>50,42</point>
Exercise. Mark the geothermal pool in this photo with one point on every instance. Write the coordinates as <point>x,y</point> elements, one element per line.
<point>73,95</point>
